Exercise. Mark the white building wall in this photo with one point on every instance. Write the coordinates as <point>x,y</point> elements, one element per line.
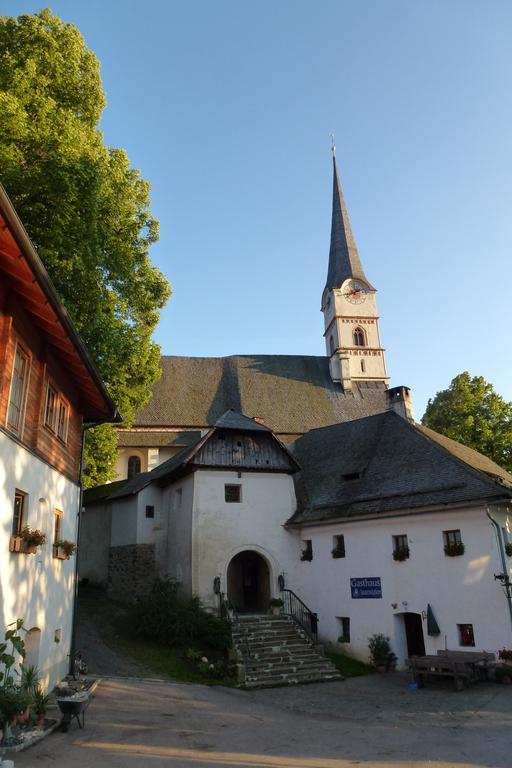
<point>94,545</point>
<point>124,521</point>
<point>38,588</point>
<point>460,590</point>
<point>221,530</point>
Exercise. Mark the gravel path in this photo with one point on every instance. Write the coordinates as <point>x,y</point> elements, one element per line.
<point>101,659</point>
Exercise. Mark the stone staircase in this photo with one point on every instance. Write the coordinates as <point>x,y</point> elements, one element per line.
<point>275,651</point>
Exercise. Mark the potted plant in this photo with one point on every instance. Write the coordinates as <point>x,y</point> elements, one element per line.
<point>382,657</point>
<point>63,549</point>
<point>275,606</point>
<point>40,702</point>
<point>401,554</point>
<point>454,550</point>
<point>32,539</point>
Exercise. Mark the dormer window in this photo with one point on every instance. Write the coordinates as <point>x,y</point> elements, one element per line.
<point>359,337</point>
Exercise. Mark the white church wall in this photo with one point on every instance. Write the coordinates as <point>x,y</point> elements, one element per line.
<point>38,587</point>
<point>222,529</point>
<point>460,590</point>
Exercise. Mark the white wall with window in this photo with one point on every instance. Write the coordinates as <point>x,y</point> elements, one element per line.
<point>37,587</point>
<point>460,588</point>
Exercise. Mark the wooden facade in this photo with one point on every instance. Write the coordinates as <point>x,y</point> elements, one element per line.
<point>48,384</point>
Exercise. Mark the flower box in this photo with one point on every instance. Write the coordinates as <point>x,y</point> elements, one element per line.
<point>401,554</point>
<point>454,550</point>
<point>18,544</point>
<point>63,549</point>
<point>59,553</point>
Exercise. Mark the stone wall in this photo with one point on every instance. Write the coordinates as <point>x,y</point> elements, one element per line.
<point>131,571</point>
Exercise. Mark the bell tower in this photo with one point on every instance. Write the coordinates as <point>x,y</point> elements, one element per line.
<point>349,306</point>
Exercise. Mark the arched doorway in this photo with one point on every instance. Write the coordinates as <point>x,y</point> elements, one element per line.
<point>249,582</point>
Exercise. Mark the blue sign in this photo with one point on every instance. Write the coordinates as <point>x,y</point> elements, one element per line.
<point>368,588</point>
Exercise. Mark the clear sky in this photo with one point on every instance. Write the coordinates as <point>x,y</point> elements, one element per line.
<point>227,106</point>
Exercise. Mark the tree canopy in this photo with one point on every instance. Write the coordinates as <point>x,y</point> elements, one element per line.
<point>471,412</point>
<point>85,208</point>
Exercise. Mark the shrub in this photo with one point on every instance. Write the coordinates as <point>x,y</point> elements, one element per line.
<point>165,617</point>
<point>380,651</point>
<point>503,671</point>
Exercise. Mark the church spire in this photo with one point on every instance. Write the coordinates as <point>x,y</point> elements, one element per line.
<point>344,261</point>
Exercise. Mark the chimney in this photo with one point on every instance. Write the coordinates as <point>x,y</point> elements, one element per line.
<point>398,399</point>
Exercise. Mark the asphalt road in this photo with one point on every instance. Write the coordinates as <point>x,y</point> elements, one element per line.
<point>369,722</point>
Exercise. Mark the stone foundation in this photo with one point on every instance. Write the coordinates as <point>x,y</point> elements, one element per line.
<point>131,571</point>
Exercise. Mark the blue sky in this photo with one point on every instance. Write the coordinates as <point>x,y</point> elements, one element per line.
<point>227,108</point>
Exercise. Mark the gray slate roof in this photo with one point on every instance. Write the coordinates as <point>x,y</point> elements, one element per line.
<point>402,466</point>
<point>154,438</point>
<point>344,261</point>
<point>292,393</point>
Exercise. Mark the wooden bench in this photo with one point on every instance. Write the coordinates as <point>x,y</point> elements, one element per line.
<point>479,661</point>
<point>423,667</point>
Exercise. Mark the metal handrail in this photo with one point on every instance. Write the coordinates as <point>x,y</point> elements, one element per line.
<point>293,606</point>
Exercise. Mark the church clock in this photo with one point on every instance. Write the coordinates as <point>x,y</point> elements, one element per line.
<point>355,292</point>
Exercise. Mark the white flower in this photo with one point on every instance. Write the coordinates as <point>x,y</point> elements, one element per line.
<point>204,660</point>
<point>212,666</point>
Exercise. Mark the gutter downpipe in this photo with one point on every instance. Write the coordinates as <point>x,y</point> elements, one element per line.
<point>502,556</point>
<point>73,649</point>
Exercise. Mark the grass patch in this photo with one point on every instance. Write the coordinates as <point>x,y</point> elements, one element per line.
<point>114,623</point>
<point>347,666</point>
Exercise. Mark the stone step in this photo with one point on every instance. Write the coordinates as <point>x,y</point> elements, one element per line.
<point>260,671</point>
<point>299,654</point>
<point>296,679</point>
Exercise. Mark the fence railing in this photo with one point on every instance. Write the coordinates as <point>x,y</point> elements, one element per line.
<point>293,606</point>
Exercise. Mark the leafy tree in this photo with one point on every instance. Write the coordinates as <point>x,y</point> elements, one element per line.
<point>85,209</point>
<point>471,412</point>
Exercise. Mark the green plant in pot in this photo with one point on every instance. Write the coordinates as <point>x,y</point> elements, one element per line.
<point>382,657</point>
<point>275,606</point>
<point>40,702</point>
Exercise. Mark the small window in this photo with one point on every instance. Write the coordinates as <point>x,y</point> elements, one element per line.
<point>359,337</point>
<point>344,625</point>
<point>453,545</point>
<point>57,526</point>
<point>466,635</point>
<point>363,366</point>
<point>232,493</point>
<point>150,510</point>
<point>19,512</point>
<point>50,410</point>
<point>331,345</point>
<point>400,547</point>
<point>62,421</point>
<point>18,391</point>
<point>133,467</point>
<point>338,546</point>
<point>307,552</point>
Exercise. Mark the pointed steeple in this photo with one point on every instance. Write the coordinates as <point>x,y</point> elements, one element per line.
<point>344,261</point>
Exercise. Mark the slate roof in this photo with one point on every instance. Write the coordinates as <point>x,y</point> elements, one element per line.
<point>292,393</point>
<point>384,463</point>
<point>344,261</point>
<point>233,420</point>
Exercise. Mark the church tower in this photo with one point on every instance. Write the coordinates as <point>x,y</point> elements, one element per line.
<point>348,303</point>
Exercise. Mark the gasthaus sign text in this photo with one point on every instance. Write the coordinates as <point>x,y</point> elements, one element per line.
<point>369,588</point>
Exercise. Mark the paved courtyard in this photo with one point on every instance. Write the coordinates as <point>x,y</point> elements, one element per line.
<point>370,721</point>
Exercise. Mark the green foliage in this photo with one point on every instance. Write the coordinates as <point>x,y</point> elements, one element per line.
<point>164,617</point>
<point>13,700</point>
<point>12,647</point>
<point>84,207</point>
<point>40,702</point>
<point>380,651</point>
<point>29,678</point>
<point>348,666</point>
<point>471,412</point>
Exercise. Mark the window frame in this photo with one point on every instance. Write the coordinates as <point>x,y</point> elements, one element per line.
<point>18,429</point>
<point>21,518</point>
<point>307,550</point>
<point>344,636</point>
<point>359,337</point>
<point>130,475</point>
<point>400,547</point>
<point>469,629</point>
<point>232,487</point>
<point>50,423</point>
<point>338,546</point>
<point>62,406</point>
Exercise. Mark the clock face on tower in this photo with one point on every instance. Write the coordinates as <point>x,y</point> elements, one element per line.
<point>355,292</point>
